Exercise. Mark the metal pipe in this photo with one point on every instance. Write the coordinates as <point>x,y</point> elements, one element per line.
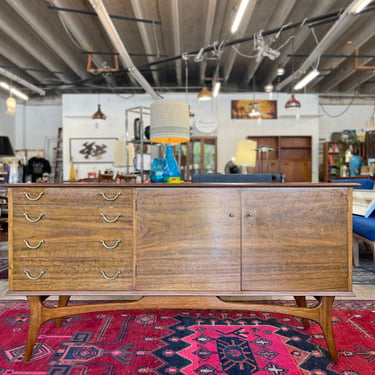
<point>117,42</point>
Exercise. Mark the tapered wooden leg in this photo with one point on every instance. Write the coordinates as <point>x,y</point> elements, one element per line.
<point>325,322</point>
<point>63,301</point>
<point>35,303</point>
<point>301,302</point>
<point>355,252</point>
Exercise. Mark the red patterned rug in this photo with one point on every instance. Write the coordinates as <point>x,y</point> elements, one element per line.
<point>189,342</point>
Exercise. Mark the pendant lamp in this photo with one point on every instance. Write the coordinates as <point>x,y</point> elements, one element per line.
<point>292,103</point>
<point>11,106</point>
<point>204,94</point>
<point>99,115</point>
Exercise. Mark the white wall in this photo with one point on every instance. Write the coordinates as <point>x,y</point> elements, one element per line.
<point>32,124</point>
<point>7,123</point>
<point>77,111</point>
<point>335,118</point>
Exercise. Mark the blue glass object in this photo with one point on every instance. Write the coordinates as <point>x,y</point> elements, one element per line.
<point>355,164</point>
<point>159,170</point>
<point>173,169</point>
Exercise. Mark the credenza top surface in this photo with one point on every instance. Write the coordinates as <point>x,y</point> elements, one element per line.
<point>184,185</point>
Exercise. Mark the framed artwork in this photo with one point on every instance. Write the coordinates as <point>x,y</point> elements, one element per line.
<point>241,109</point>
<point>92,150</point>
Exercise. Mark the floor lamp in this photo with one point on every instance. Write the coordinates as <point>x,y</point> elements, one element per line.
<point>246,155</point>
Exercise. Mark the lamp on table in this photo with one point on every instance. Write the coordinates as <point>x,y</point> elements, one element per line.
<point>246,155</point>
<point>170,125</point>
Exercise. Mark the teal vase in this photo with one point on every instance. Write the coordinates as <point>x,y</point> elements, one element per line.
<point>355,164</point>
<point>173,169</point>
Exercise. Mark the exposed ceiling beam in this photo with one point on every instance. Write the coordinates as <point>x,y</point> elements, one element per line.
<point>207,37</point>
<point>25,37</point>
<point>345,20</point>
<point>230,56</point>
<point>144,32</point>
<point>175,13</point>
<point>119,46</point>
<point>304,33</point>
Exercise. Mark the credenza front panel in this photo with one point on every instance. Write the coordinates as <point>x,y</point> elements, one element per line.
<point>188,239</point>
<point>296,239</point>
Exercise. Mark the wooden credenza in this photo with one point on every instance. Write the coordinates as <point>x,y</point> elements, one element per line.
<point>192,244</point>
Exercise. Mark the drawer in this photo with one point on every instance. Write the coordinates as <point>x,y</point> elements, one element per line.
<point>106,196</point>
<point>74,243</point>
<point>65,218</point>
<point>49,275</point>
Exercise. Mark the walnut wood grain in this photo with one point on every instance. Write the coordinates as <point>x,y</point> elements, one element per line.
<point>184,248</point>
<point>292,236</point>
<point>73,196</point>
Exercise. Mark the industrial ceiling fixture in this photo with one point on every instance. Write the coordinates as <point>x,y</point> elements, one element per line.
<point>216,90</point>
<point>14,91</point>
<point>280,71</point>
<point>306,79</point>
<point>238,18</point>
<point>11,106</point>
<point>22,82</point>
<point>99,115</point>
<point>268,88</point>
<point>264,50</point>
<point>292,103</point>
<point>204,94</point>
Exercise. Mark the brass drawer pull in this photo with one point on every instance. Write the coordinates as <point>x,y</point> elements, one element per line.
<point>33,247</point>
<point>110,199</point>
<point>108,246</point>
<point>109,277</point>
<point>42,272</point>
<point>33,220</point>
<point>33,199</point>
<point>110,220</point>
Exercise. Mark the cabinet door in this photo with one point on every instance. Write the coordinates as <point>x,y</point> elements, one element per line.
<point>202,155</point>
<point>290,242</point>
<point>188,239</point>
<point>296,171</point>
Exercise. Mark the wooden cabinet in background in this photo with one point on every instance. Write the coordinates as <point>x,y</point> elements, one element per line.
<point>198,156</point>
<point>290,155</point>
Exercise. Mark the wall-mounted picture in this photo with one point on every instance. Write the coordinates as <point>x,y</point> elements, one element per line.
<point>254,109</point>
<point>92,150</point>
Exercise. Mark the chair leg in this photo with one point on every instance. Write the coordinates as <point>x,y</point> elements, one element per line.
<point>355,252</point>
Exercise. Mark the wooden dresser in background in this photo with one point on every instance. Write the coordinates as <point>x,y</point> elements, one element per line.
<point>180,246</point>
